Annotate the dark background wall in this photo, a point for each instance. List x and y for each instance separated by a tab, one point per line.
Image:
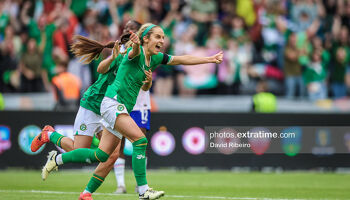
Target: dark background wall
177	124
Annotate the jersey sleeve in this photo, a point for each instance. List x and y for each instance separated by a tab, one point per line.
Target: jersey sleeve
116	62
135	59
161	59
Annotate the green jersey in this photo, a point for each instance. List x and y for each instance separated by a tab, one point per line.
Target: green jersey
92	98
131	75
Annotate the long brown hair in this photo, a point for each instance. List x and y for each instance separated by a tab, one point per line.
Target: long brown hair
88	49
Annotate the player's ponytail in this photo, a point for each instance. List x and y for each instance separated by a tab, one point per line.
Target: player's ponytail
88	49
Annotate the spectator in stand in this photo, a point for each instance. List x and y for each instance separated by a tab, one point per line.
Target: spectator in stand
271	33
4	20
141	11
203	14
65	29
229	72
185	45
245	9
227	9
338	73
164	82
340	58
253	34
31	69
264	101
238	30
315	76
13	40
217	36
201	78
78	7
8	68
66	86
303	14
344	12
292	69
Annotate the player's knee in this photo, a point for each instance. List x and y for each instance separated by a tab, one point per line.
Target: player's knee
101	155
140	143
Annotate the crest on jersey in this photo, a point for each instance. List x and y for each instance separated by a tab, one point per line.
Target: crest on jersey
120	108
83	127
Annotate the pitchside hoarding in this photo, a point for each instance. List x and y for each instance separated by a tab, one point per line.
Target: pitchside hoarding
212	140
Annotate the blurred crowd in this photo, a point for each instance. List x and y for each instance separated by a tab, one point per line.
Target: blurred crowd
299	47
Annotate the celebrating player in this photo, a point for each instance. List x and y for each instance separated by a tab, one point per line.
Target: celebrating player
143	56
141	114
87	122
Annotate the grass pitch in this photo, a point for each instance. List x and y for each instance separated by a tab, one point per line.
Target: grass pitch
63	185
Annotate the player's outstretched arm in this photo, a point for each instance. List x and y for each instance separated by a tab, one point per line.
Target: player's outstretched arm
135	46
103	67
195	60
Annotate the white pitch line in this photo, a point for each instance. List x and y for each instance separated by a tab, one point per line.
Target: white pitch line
168	196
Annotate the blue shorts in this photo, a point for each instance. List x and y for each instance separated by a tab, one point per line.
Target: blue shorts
142	118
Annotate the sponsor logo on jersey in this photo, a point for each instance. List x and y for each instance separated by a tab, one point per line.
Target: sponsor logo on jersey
193	140
5	142
83	127
26	137
323	142
163	143
291	146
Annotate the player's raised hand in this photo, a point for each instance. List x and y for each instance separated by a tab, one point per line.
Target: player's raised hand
217	58
134	38
116	49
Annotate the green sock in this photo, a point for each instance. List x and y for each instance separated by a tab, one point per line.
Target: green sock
56	138
139	160
84	155
94	183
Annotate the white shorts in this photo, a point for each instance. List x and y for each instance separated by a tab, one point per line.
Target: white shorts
110	109
88	123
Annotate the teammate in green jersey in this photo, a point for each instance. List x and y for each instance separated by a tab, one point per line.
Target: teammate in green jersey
143	55
87	122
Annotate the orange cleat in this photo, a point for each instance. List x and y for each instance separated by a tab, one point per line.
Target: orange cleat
85	196
41	139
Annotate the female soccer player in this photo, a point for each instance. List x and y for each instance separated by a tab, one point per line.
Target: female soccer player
87	120
143	55
141	114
